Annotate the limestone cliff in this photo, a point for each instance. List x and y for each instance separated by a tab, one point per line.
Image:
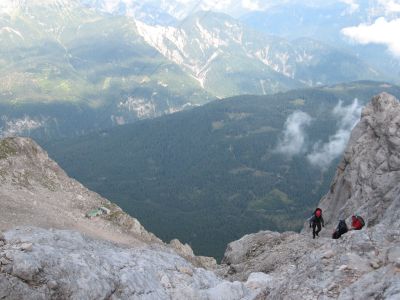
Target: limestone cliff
367	180
362	264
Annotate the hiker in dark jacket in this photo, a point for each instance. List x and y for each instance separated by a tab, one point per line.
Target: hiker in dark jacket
340	229
316	221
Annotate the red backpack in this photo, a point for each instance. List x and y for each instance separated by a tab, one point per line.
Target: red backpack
359	218
357	222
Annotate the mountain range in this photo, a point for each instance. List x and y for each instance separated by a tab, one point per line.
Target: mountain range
70	67
325	22
215	48
60	57
320	21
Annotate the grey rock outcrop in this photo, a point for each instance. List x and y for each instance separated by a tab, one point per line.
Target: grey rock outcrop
367	179
361	264
186	252
67	265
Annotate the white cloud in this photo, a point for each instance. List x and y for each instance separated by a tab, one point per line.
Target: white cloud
184	1
294	136
323	154
252	5
390	6
216	5
8	6
348	115
381	32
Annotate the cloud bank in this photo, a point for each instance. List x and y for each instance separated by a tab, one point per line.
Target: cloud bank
390	6
294	136
323	154
380	32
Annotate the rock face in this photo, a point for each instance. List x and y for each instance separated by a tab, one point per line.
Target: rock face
367	180
361	264
61	264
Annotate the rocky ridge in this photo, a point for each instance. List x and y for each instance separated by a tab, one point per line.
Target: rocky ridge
361	264
35	191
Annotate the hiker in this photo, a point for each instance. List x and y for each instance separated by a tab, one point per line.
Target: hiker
340	229
316	221
357	222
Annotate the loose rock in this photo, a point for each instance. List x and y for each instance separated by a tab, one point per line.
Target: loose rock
52	284
4	261
26	247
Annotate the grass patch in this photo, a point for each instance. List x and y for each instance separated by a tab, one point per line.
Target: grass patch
274	200
298	102
6	149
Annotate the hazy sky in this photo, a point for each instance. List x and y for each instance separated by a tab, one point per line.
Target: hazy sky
235	6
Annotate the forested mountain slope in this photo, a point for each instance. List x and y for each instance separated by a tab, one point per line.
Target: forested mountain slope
215	173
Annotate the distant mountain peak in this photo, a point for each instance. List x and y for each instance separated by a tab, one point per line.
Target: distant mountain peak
213	47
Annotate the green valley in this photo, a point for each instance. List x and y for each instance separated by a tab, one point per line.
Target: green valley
214	173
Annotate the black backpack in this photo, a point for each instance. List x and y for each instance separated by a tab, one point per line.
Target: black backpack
340	229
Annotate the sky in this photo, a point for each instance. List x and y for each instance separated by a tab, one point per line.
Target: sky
236	7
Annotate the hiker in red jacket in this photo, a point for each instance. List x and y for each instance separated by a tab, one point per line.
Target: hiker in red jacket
316	221
357	222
